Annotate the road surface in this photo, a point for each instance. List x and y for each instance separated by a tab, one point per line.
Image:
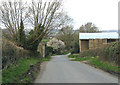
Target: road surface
61	70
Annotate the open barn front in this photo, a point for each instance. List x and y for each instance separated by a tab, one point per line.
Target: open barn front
111	40
84	45
88	41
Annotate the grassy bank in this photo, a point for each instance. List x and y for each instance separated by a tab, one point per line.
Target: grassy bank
17	64
15	72
94	61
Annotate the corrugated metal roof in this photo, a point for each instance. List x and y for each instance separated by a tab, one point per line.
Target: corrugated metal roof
106	35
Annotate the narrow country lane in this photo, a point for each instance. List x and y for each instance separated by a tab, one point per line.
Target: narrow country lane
61	70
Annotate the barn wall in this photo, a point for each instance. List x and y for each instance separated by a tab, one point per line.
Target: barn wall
96	43
104	41
91	44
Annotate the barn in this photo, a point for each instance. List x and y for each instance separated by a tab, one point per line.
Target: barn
89	41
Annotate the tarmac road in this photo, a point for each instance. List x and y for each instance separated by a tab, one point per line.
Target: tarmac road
61	70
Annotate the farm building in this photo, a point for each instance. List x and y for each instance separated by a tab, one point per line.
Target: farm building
94	40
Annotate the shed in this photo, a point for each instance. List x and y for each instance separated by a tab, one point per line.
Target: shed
94	40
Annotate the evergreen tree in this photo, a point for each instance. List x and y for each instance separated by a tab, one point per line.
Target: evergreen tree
22	36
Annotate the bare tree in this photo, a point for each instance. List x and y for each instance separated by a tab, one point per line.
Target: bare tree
11	15
59	21
42	15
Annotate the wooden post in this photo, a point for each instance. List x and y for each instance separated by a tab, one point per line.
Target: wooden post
80	45
106	41
93	43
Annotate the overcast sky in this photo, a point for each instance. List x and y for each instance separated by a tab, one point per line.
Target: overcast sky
102	13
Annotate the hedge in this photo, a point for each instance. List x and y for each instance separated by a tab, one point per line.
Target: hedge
11	53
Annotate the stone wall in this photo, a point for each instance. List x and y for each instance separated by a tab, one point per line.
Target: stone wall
41	49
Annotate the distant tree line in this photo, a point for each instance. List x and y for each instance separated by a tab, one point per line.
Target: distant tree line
71	37
88	28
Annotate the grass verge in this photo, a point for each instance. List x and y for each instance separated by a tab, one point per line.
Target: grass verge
53	55
97	63
77	58
105	66
14	72
45	59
